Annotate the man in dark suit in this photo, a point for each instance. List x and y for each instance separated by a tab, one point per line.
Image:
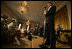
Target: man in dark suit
50	32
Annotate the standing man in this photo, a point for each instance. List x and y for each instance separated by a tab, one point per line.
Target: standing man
50	32
59	28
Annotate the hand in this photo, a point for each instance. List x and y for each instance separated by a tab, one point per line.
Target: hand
45	12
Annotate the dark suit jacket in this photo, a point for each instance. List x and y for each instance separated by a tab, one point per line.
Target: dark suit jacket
50	15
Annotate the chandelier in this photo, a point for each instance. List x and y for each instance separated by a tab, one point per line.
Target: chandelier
23	7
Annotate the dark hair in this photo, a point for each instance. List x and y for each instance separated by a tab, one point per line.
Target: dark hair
4	17
59	24
13	21
50	3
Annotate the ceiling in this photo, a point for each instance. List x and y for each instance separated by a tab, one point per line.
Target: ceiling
34	9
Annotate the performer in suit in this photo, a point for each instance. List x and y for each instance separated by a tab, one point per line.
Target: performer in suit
50	32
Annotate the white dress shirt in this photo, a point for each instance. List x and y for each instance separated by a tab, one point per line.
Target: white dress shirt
10	25
49	8
22	30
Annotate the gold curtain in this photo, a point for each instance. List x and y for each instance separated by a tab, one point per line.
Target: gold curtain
61	17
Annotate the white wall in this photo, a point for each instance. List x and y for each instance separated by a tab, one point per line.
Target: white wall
6	11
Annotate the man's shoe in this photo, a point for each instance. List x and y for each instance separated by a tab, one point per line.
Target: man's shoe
46	44
43	46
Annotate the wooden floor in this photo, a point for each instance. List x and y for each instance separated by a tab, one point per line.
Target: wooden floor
33	44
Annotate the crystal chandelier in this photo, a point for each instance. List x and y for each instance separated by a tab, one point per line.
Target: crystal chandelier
23	7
